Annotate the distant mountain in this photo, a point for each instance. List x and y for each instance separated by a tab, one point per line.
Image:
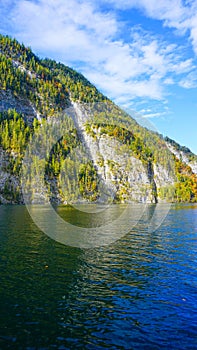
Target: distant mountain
102	154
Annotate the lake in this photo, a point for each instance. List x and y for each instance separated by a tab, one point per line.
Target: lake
139	292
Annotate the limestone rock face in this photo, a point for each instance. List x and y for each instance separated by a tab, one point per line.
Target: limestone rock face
125	176
131	164
183	157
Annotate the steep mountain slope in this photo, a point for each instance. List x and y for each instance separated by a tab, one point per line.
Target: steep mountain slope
183	154
102	154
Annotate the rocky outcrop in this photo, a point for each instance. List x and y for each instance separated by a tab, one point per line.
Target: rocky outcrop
126	177
9	184
181	155
122	176
119	162
9	101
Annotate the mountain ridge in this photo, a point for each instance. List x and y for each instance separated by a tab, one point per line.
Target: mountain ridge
129	161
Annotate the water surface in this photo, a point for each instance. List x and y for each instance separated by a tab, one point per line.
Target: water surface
137	293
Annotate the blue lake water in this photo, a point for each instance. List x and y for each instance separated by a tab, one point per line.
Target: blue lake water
139	292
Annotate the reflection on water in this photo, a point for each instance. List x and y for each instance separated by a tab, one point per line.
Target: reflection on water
85	228
139	292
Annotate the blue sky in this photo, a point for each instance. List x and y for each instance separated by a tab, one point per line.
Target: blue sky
140	53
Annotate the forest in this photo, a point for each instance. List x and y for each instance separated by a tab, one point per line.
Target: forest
50	87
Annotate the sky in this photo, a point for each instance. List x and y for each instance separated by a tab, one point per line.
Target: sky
140	53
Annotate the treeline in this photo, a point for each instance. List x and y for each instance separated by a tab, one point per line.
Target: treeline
79	87
47	94
46	83
75	176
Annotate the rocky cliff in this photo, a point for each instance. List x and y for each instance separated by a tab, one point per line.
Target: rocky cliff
102	154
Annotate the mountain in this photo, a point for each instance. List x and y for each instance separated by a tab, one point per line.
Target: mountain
62	141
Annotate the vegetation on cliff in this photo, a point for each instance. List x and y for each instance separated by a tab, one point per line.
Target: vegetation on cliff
51	87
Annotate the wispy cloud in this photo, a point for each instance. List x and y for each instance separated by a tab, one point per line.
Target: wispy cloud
177	14
189	82
91	39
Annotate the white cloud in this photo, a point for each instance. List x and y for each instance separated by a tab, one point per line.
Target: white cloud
81	35
155	111
170	11
168	81
154	115
189	82
177	14
193	30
